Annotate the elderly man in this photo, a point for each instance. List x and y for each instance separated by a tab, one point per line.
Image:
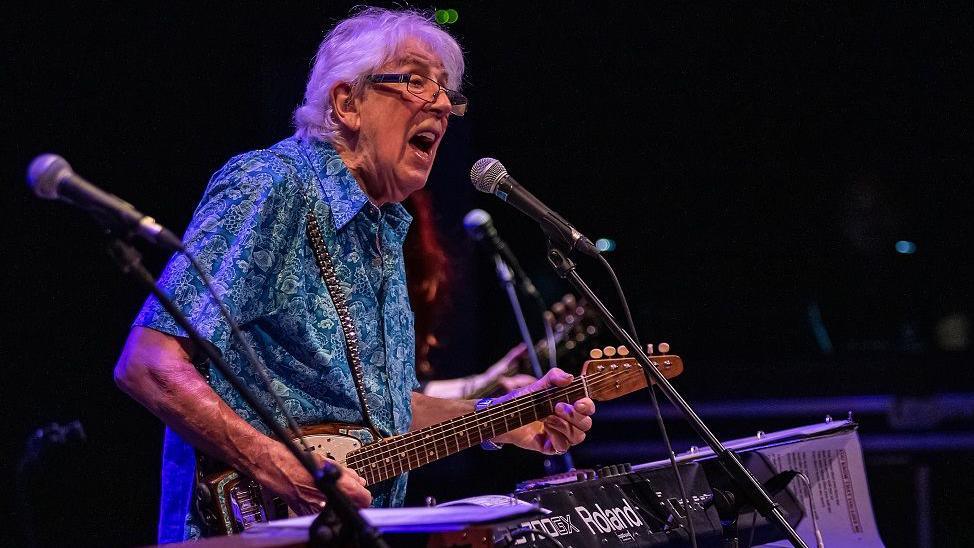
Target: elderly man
377	104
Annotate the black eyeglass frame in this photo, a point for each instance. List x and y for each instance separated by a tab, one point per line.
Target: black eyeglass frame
458	102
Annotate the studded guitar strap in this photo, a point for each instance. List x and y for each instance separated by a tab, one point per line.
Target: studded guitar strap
327	269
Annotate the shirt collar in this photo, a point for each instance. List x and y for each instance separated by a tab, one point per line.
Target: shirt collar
339	188
342	193
398	219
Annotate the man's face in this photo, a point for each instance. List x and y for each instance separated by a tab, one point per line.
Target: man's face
399	133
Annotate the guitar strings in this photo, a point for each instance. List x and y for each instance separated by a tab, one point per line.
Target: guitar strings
448	429
410	440
414	440
484	416
418	444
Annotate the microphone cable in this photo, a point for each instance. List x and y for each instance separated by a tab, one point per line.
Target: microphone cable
652	393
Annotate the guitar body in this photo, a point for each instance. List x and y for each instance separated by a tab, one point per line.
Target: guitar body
229	502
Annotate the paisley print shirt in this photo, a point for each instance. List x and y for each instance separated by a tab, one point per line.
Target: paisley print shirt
249	232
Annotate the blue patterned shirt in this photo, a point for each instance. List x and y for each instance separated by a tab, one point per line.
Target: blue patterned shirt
249	232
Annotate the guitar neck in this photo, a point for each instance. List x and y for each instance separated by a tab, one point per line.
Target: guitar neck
393	456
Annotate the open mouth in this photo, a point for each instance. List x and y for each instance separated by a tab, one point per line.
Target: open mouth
423	141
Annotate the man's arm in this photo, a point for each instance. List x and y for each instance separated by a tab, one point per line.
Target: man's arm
157	371
554	434
496	374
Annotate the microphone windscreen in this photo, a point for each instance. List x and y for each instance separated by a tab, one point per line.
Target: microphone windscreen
475	222
45	173
486	173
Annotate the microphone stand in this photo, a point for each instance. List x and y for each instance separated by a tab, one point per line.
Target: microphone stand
742	478
339	523
553	464
506	278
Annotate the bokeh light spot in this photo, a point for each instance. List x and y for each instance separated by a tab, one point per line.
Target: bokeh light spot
906	247
605	244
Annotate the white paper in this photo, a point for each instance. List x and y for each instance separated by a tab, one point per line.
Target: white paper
840	495
493	501
421	517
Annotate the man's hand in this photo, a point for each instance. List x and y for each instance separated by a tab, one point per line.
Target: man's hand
288	479
556	433
513	382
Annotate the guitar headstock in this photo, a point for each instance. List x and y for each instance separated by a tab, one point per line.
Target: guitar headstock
614	373
573	322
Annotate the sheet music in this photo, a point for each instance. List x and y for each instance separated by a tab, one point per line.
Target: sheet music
840	495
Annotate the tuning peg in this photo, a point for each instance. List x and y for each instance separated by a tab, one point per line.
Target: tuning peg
663	347
649	349
569	300
622	350
595	354
549	317
609	351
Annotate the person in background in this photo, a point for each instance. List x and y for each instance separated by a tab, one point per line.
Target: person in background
429	275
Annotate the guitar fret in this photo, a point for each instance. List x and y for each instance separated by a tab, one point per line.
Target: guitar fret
384	460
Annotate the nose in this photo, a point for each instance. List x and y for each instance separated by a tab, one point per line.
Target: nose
440	104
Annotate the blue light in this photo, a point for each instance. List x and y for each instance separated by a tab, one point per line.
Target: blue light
605	244
906	247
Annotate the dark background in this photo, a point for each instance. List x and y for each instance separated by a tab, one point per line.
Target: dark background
755	164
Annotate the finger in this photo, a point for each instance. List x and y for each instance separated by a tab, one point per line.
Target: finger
357	494
352	474
558	430
556	443
585	406
573	417
364	498
557	377
569	433
516	352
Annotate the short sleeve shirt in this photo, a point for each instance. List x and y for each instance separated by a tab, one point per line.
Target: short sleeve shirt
249	233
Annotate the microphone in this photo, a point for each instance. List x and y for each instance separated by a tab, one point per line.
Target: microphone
480	227
490	176
51	177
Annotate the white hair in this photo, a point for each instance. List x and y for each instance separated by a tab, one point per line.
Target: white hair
358	46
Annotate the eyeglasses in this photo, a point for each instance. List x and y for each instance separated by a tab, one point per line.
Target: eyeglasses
425	88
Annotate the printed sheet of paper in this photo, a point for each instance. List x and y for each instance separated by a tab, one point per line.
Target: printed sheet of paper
840	495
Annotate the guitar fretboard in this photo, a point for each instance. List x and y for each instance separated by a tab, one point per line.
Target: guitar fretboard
393	456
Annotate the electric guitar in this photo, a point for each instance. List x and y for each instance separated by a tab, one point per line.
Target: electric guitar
230	502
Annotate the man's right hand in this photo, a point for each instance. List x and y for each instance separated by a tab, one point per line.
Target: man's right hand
288	479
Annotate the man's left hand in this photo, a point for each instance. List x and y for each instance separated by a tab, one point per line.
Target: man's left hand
556	433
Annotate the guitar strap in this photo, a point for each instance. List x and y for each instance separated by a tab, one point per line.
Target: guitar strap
327	269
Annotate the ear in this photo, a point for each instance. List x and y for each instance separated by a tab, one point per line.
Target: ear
344	107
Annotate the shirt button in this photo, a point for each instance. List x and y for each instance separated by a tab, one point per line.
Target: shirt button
377	261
